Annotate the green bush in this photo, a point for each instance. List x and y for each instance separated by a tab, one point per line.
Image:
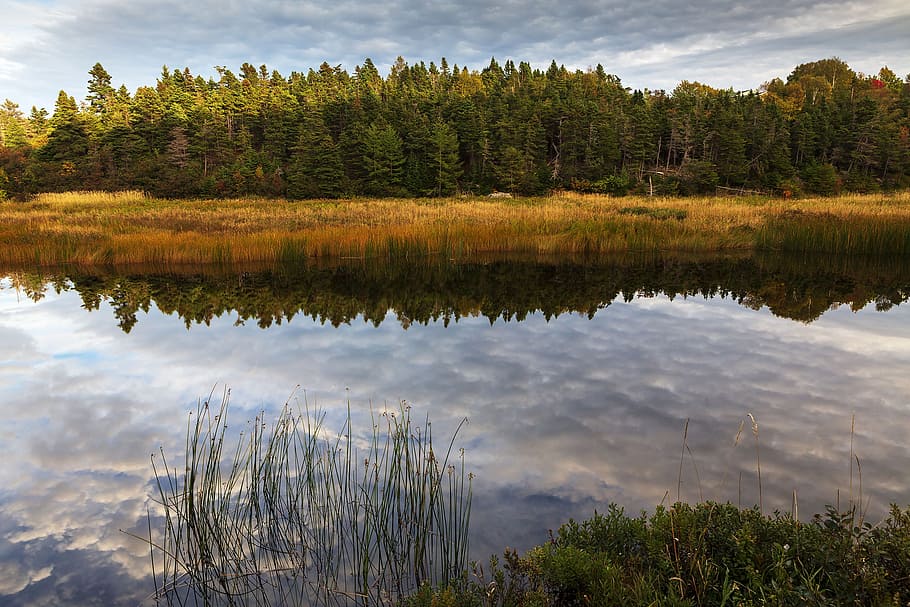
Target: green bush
855	181
614	185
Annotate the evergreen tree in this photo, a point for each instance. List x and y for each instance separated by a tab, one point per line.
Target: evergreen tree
383	160
431	130
316	169
444	162
66	150
100	90
12	126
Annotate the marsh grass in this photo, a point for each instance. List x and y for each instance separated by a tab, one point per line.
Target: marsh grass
851	234
129	228
292	514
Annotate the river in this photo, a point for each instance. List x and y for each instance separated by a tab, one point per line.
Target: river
624	381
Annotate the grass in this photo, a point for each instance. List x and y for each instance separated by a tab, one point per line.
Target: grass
291	514
92	228
849	234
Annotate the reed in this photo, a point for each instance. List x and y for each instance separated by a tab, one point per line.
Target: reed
291	514
130	228
851	234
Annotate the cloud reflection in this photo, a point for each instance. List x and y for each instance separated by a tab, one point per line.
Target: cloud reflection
564	415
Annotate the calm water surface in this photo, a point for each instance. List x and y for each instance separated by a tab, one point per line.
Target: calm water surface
577	384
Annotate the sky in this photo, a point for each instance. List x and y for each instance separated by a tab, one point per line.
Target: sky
49	45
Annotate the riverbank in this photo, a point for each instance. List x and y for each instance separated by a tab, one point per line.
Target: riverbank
97	228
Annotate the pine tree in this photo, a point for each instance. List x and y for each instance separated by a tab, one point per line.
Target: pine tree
12	126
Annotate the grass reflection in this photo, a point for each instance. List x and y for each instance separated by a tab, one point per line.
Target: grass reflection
293	514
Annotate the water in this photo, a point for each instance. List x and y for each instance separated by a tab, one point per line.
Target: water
577	384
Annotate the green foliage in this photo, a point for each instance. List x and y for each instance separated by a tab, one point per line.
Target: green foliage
428	131
316	169
443	161
460	595
655	212
712	554
820	179
614	185
383	159
13	126
698	177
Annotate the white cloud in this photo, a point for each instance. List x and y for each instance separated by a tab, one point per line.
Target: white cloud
14	577
650	45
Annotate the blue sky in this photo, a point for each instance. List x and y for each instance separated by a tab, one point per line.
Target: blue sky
50	45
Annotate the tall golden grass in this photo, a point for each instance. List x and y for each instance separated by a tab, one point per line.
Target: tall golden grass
91	228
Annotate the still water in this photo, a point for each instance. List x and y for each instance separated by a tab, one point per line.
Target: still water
578	383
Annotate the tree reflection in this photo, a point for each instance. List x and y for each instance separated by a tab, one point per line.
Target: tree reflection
799	288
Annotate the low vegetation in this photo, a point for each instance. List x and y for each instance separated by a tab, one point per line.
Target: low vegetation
706	554
130	228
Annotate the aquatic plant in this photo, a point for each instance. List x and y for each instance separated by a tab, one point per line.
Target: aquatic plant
293	514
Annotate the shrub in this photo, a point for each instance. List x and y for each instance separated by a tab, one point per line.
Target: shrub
614	185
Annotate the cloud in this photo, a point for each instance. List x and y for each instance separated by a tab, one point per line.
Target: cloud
15	578
652	45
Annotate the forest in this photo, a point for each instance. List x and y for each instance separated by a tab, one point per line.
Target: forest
439	131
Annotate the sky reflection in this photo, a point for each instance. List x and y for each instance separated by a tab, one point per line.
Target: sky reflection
565	415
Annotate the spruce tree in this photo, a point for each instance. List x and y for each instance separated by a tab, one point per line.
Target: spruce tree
316	170
444	162
383	160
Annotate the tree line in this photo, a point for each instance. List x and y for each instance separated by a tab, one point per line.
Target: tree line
438	130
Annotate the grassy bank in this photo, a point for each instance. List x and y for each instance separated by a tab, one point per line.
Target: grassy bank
130	228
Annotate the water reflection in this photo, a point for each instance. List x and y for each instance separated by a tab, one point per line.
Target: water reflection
800	288
567	410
